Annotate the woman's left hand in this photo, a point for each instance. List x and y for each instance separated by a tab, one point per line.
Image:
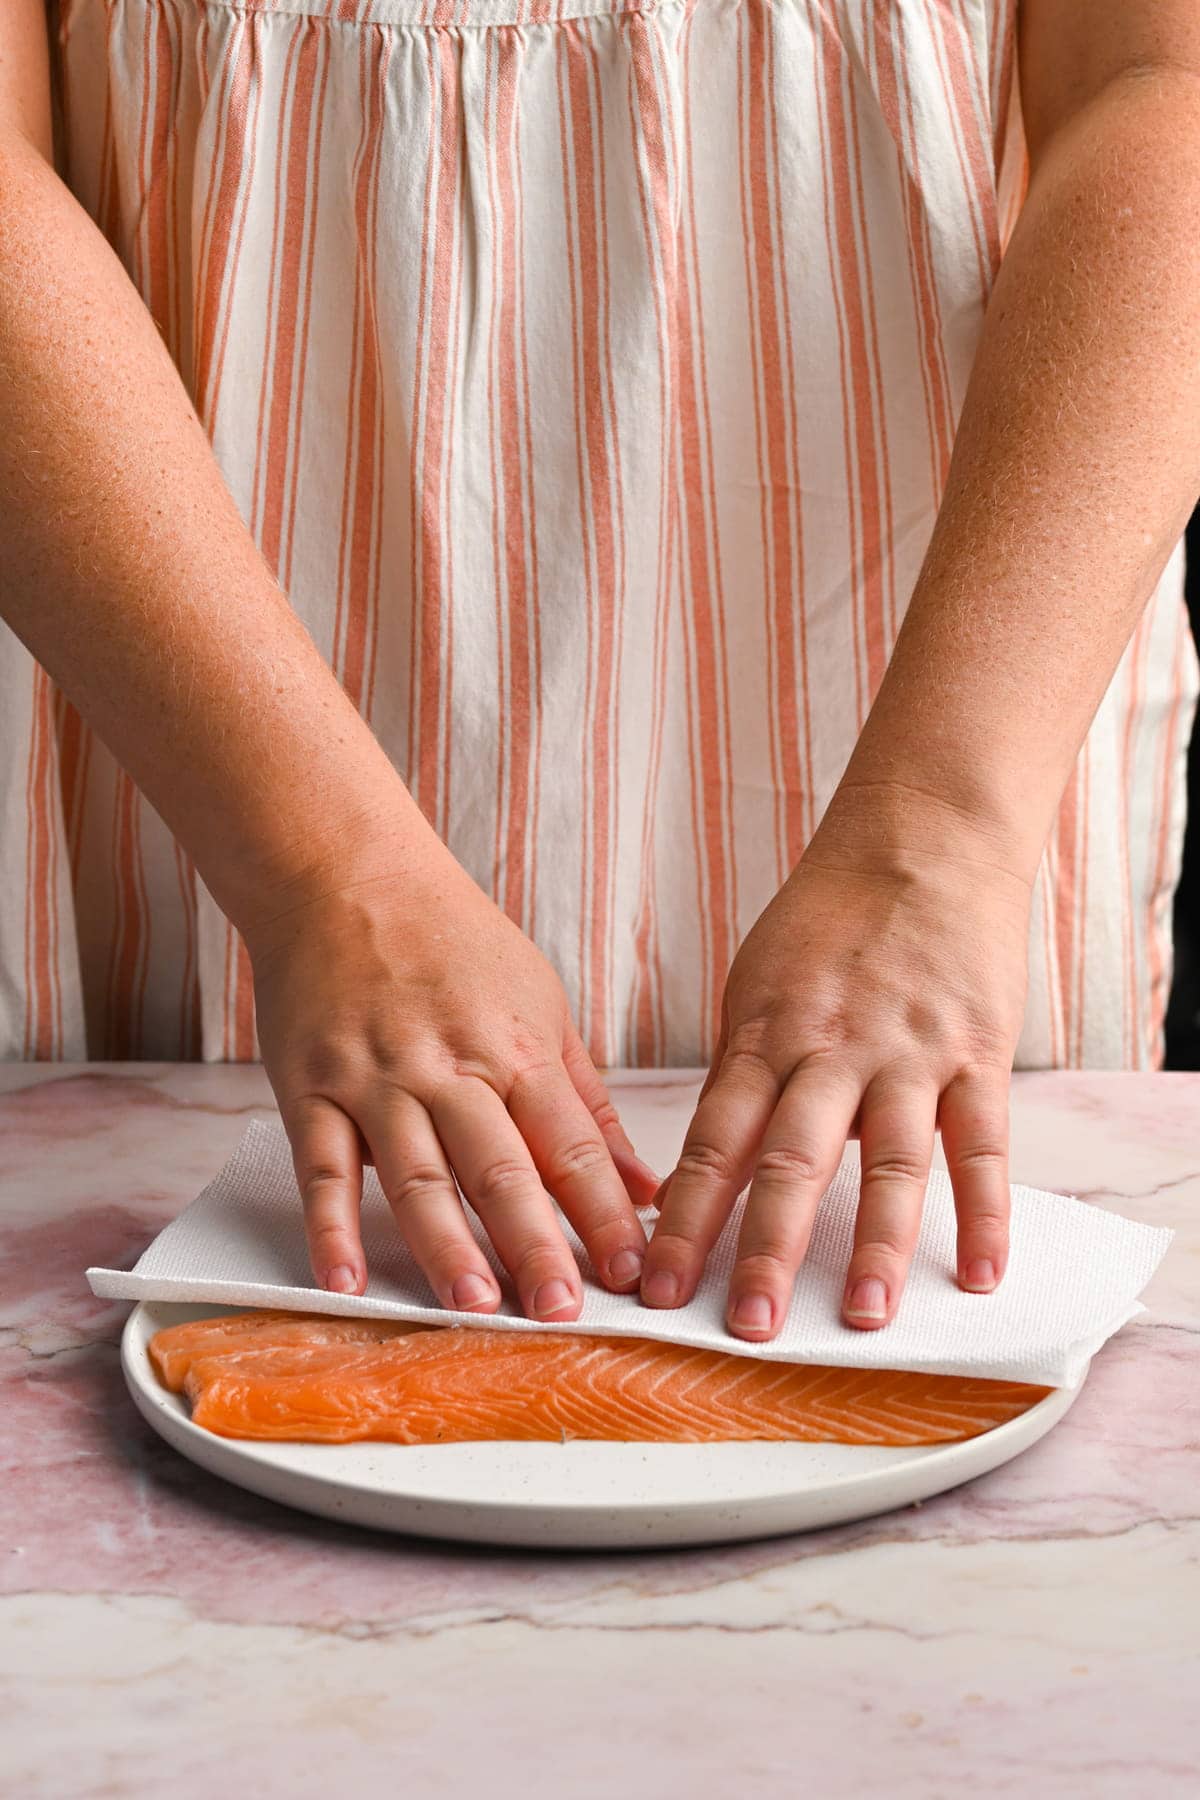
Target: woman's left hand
880	995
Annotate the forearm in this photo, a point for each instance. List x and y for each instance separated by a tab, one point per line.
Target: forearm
129	574
1076	464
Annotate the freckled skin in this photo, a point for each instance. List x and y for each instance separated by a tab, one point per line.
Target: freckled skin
1083	407
128	572
1077	461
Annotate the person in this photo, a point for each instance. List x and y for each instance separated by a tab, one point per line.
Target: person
725	461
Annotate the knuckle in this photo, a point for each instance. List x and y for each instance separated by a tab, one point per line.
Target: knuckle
328	1064
707	1162
444	1253
605	1214
883	1246
925	1023
747	1058
990	1157
326	1231
896	1166
318	1178
988	1219
538	1261
788	1162
981	1084
670	1249
531	1069
770	1259
967	1132
832	1029
417	1183
587	1156
448	1075
605	1115
609	1231
386	1049
502	1182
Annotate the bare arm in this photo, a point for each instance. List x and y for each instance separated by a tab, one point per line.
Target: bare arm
882	990
127	569
400	1013
1077	460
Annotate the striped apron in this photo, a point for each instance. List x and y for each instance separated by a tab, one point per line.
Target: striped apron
587	373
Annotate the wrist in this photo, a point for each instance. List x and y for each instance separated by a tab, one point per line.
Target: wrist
894	824
332	842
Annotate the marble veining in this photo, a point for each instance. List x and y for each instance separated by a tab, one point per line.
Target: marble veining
1034	1632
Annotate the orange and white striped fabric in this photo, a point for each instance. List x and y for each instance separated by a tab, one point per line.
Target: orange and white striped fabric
588	373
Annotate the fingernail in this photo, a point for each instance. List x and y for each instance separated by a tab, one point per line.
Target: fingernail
662	1288
753	1312
624	1267
867	1300
980	1276
552	1297
471	1290
342	1280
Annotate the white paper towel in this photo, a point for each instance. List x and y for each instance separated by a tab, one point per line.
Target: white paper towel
1073	1278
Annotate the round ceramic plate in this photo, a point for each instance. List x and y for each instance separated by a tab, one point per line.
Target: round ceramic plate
585	1496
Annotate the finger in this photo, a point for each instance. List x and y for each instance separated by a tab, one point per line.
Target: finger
974	1121
496	1173
641	1183
425	1202
660	1196
327	1156
896	1125
801	1150
715	1063
575	1166
712	1170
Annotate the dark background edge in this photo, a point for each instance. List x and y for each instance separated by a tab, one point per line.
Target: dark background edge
1183	1014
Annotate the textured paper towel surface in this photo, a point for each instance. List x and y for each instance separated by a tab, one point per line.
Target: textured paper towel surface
1073	1279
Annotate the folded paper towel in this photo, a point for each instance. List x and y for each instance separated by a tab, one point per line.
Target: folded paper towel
1073	1278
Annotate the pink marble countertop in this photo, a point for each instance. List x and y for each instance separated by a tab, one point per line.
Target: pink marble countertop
1036	1632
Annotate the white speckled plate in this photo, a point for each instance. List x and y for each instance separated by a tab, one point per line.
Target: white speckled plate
583	1496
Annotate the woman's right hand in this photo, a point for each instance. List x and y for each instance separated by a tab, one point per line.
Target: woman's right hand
404	1020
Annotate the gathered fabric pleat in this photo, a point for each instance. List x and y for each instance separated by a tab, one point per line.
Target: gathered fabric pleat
588	376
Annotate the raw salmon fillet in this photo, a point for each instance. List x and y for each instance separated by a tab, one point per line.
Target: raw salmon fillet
455	1384
172	1351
